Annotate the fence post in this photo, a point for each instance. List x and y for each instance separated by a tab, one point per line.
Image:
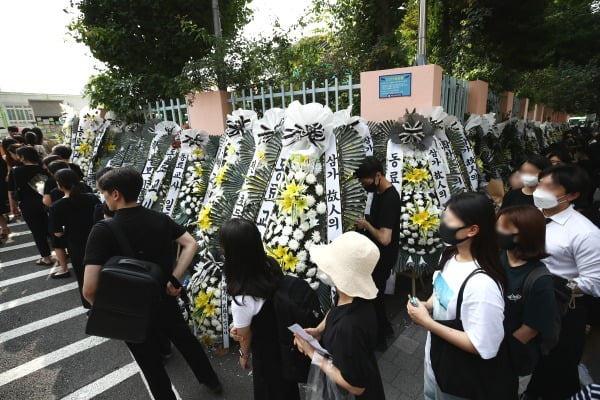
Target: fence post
208	111
478	96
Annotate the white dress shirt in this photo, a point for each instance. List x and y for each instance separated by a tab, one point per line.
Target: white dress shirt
573	243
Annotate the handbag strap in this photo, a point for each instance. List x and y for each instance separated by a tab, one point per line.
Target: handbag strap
459	299
124	244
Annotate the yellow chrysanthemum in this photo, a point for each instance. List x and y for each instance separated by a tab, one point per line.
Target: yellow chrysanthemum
301	204
198	153
230	149
286	204
279	252
293	189
210	309
416	175
261	155
198	170
289	262
480	163
220	178
84	148
202	300
111	147
299	158
204	221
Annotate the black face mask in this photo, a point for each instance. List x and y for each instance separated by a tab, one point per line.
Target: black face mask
506	241
372	188
448	235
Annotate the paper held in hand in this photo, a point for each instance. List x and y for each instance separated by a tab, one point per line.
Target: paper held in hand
297	329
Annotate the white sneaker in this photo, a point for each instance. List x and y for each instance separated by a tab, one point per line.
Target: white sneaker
584	375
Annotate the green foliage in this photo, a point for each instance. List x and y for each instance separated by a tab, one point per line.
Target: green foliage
145	44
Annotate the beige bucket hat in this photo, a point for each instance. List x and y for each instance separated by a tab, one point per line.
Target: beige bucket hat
349	261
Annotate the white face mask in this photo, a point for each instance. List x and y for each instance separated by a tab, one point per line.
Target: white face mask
529	180
324	278
545	200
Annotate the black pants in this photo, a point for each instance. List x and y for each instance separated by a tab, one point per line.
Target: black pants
380	276
170	322
556	376
77	252
36	218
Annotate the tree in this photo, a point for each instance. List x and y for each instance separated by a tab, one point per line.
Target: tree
145	44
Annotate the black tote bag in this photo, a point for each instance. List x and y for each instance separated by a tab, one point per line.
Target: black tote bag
465	374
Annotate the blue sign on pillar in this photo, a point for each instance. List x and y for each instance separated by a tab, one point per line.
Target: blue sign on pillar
397	85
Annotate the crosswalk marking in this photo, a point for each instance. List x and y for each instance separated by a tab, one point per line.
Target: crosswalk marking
16	247
106	382
17	234
16	224
42	323
49	359
18	261
23	278
37	296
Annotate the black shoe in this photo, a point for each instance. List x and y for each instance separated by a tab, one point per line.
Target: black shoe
215	389
60	275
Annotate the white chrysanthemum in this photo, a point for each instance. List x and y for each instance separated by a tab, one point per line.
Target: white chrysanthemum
321	208
311	214
213	280
317	168
287	230
299	175
314	285
283	240
311	179
422	242
421	252
405	217
305	226
278	229
319	189
302	254
300	267
293	244
316	236
310	200
298	234
188	211
289	221
412	251
311	272
411	241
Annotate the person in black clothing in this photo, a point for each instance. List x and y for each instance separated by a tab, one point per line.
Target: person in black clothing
382	226
349	331
252	279
13	130
71	218
528	317
4	207
25	184
151	235
64	152
528	173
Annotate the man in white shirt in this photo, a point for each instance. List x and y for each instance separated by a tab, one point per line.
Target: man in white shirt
573	244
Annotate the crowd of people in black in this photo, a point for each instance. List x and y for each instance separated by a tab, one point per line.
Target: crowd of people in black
514	313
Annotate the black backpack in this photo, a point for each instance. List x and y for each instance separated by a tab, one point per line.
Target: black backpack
295	302
547	342
129	289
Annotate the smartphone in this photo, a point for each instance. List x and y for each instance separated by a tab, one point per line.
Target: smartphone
413	300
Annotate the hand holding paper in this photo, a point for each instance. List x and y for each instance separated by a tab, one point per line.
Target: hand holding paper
299	331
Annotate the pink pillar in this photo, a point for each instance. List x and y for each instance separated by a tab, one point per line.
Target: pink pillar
208	111
506	105
539	113
425	93
524	108
531	114
478	94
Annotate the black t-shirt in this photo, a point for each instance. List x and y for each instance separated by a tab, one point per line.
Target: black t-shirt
49	185
56	194
76	169
350	336
150	233
516	197
28	181
385	213
537	310
76	216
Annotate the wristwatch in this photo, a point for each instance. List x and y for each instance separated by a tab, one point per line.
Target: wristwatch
244	356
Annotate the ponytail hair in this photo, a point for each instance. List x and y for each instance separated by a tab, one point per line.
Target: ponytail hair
69	180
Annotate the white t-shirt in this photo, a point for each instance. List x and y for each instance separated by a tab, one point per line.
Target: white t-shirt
482	310
244	308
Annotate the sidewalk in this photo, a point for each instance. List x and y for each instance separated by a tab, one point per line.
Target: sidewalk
401	365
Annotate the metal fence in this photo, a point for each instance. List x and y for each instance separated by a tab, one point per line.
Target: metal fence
455	95
336	95
175	111
493	103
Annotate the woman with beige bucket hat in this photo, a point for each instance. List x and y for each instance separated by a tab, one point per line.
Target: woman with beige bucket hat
349	331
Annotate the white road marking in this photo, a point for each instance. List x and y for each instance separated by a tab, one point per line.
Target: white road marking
17	223
103	384
16	247
37	296
49	359
18	261
41	324
16	234
33	275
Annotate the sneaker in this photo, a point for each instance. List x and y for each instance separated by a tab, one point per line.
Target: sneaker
584	375
60	275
